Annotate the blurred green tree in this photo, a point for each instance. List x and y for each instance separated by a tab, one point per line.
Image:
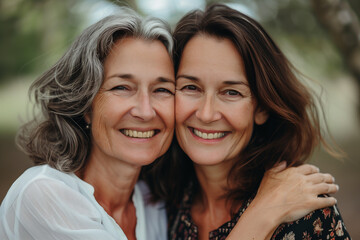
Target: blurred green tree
31	28
28	28
343	26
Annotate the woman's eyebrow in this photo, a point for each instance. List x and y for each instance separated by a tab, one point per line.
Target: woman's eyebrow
165	80
124	76
131	76
226	82
234	82
192	78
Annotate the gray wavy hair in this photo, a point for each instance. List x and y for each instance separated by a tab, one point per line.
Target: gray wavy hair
65	92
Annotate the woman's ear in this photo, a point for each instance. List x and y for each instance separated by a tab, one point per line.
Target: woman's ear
87	118
261	116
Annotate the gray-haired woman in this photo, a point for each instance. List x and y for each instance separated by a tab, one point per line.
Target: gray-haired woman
107	110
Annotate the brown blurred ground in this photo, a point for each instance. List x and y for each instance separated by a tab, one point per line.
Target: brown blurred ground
13	163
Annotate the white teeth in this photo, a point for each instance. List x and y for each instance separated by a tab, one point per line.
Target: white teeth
138	134
208	135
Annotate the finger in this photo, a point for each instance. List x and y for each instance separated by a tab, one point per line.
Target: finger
323	202
308	169
278	167
325	188
320	177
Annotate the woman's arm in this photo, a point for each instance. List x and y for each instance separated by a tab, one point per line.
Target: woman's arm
284	196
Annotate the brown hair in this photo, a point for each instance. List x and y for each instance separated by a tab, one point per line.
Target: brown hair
292	129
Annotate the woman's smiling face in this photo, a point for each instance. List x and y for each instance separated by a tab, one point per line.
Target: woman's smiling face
215	110
132	116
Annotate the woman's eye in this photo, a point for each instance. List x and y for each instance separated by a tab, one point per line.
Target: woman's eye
232	93
164	90
121	88
190	88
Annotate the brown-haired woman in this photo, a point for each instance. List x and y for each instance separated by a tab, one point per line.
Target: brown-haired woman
240	110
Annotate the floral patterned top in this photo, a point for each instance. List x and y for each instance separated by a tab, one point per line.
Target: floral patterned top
323	223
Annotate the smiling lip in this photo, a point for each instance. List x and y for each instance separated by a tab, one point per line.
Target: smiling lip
208	135
139	134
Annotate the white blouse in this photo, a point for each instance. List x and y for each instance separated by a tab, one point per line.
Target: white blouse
44	203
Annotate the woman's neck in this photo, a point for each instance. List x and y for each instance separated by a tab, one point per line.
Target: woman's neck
210	209
113	181
212	181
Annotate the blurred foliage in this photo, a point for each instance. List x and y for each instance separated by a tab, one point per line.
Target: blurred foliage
29	28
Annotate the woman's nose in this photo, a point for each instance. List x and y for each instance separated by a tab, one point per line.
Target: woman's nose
207	111
143	108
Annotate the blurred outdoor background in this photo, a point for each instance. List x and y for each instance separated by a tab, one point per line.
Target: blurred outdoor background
321	37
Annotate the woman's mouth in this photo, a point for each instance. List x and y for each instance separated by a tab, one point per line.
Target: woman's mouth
138	134
208	135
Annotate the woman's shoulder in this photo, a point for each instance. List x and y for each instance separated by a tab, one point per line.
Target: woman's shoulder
325	223
25	180
45	203
40	171
41	183
41	192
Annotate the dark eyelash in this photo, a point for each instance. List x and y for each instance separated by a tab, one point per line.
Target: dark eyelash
189	87
233	91
120	88
164	90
